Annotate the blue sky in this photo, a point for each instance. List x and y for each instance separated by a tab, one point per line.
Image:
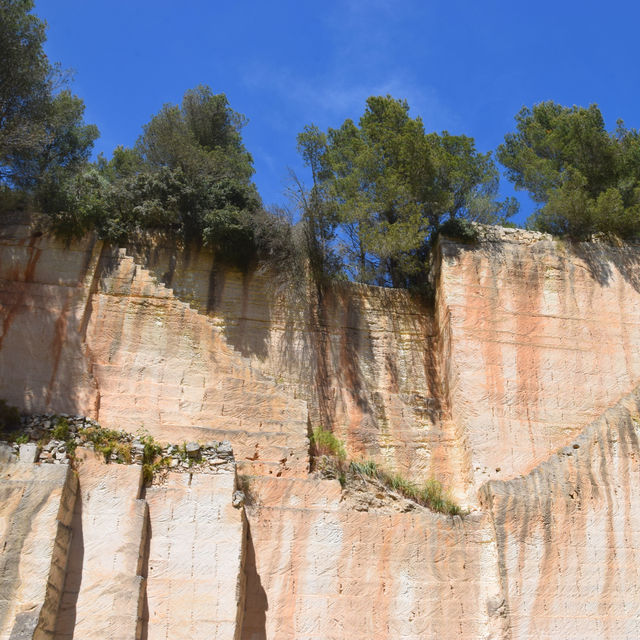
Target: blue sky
464	66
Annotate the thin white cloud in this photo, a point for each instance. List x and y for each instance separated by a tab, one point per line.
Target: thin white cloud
329	100
366	57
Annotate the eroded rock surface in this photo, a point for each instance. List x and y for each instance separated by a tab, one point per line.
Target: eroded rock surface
568	535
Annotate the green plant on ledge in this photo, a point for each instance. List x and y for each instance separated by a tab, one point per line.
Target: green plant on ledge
324	443
329	456
61	430
151	456
431	495
108	442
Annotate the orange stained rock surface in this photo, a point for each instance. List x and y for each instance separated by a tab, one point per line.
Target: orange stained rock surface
544	336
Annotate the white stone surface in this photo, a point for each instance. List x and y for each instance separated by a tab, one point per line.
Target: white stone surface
195	583
104	588
36	505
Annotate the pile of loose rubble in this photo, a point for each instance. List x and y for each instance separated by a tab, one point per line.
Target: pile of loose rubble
52	439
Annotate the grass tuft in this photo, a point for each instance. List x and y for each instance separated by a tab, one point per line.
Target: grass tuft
324	443
431	495
330	458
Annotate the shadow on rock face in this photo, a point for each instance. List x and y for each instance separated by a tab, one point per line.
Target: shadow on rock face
256	605
67	613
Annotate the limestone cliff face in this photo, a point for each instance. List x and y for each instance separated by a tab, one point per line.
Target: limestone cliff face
362	358
501	389
539	338
45	303
568	538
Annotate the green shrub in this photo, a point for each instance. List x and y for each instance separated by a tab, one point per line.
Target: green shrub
123	451
459	229
151	450
107	442
324	443
147	473
61	430
367	468
106	450
151	460
71	447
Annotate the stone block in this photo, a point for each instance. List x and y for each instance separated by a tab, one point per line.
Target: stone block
104	587
29	453
36	504
195	584
6	453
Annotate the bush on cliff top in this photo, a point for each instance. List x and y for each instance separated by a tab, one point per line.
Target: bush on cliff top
585	179
188	174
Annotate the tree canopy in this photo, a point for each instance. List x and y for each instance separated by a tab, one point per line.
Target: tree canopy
202	136
381	188
188	173
584	178
42	131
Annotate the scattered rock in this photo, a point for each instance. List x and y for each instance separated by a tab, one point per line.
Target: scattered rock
193	449
238	499
212	458
225	449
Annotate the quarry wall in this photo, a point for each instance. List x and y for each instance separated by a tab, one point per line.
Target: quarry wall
502	388
541	337
568	534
